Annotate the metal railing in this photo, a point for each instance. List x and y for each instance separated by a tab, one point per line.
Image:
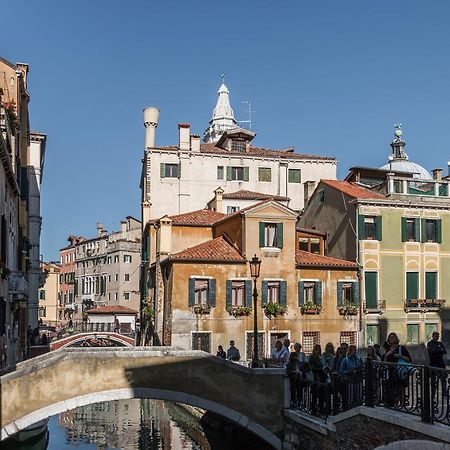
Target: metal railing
419	390
96	327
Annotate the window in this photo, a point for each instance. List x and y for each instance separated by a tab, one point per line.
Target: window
109	260
311	245
109	297
126	296
201	341
310	339
201	292
232	209
349	337
109	278
169	170
238	293
126	258
430	328
347	292
371	288
237	173
431	285
115	296
412	333
431	230
412	285
250	343
372	335
410	229
309	292
116	258
274	292
127	277
294	176
116	277
369	227
270	234
42	294
42	311
238	145
220	172
265	174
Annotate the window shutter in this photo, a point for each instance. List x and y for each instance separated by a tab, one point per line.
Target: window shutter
228	293
378	228
279	235
355	292
264	292
318	293
246	177
283	291
212	292
191	300
228	173
339	293
361	227
417	230
430	285
404	230
412	285
163	170
424	230
371	290
262	227
301	293
438	231
248	293
179	170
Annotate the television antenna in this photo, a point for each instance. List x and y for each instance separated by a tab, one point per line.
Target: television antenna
249	112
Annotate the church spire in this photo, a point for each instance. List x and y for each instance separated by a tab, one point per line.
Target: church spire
222	117
398	144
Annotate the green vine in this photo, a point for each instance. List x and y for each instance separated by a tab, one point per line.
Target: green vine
272	310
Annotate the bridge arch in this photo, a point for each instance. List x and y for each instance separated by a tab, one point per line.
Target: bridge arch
77	339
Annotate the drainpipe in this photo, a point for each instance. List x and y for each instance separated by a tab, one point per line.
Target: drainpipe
361	321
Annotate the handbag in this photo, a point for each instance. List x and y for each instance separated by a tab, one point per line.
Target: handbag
404	368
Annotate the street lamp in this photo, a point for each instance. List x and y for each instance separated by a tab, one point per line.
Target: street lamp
255	265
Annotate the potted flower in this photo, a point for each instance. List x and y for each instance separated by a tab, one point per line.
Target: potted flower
239	311
273	310
348	309
310	308
201	308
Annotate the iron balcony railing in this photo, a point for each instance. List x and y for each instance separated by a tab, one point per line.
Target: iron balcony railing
423	304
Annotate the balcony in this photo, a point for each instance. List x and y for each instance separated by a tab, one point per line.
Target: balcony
374	309
423	305
418	188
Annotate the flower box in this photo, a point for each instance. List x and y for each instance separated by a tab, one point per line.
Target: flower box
348	309
272	310
201	309
239	311
310	308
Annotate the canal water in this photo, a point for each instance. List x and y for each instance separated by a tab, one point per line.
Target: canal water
139	424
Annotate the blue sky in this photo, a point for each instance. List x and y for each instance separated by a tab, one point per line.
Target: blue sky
327	77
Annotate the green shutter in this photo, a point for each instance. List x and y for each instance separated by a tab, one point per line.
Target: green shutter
361	227
412	285
179	170
378	228
339	293
404	229
246	177
228	293
191	299
430	285
424	230
228	173
438	231
262	228
163	170
301	293
371	289
417	230
279	235
212	292
355	293
283	294
318	293
248	293
264	292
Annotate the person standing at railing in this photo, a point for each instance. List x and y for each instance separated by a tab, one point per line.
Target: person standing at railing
436	351
371	353
320	377
280	355
293	372
351	372
341	353
233	353
327	359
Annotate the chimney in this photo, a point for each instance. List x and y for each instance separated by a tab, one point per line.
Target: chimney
123	226
437	174
185	136
165	235
195	143
308	189
100	229
218	199
151	117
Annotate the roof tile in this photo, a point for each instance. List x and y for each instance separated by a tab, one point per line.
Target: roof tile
114	309
201	217
352	189
313	260
251	195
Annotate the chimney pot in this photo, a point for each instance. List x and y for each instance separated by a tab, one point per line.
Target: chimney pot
185	136
437	174
151	117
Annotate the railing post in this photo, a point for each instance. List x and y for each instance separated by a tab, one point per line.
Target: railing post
369	378
426	398
335	393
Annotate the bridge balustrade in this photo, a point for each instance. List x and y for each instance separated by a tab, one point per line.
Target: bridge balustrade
414	389
97	327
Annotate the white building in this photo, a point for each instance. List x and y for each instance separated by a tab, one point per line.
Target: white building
183	177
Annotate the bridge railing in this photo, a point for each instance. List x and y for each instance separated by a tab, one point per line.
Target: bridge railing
96	327
414	389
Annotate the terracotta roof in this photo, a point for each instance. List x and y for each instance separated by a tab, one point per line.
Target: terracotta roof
352	189
254	151
311	231
202	217
218	250
250	195
308	259
117	309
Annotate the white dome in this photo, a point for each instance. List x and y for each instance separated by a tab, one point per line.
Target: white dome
404	165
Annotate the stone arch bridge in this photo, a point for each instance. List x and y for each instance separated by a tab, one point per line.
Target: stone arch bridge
64	379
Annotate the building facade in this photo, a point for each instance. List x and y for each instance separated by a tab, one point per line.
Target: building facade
182	178
50	305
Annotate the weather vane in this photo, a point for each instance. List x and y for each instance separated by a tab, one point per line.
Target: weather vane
223	76
398	129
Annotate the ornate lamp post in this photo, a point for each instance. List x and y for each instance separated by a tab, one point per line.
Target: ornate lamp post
255	265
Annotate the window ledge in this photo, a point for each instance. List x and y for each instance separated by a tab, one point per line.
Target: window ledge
271	249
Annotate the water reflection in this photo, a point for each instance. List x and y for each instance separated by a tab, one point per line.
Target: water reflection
140	425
